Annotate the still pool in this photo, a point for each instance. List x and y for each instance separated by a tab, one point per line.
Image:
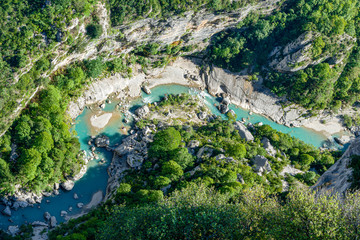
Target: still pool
96	177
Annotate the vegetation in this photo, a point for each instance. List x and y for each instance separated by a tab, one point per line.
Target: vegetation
123	11
200	212
318	86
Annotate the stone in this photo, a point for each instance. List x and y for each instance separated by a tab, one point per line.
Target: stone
68	185
205	152
76	196
223	108
13	230
243	131
7	211
63	213
56	192
102	105
202	115
80	205
261	164
142	111
146	89
291	170
53	222
134	160
193	144
56	186
70	209
102	141
240	179
39	224
268	147
46	194
47	216
194	170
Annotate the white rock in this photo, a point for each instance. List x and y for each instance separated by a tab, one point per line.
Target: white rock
68	185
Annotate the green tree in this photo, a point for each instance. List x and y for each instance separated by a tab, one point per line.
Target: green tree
94	67
94	30
172	170
28	162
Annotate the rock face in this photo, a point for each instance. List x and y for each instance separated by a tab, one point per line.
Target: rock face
268	147
261	164
298	55
68	185
142	111
336	178
243	131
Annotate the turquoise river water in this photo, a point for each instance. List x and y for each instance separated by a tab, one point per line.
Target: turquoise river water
96	177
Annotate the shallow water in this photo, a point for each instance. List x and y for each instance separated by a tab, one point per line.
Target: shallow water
96	177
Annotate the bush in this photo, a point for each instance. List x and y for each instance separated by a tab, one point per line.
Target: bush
94	30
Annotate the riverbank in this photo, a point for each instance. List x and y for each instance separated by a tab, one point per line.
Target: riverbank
243	93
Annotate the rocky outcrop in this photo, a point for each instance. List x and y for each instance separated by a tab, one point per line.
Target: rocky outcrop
298	54
102	141
243	131
53	222
13	230
6	211
252	95
68	185
268	147
338	177
142	111
261	164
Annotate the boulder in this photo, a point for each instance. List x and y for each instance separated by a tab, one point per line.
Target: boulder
53	222
21	204
205	152
223	108
56	192
243	131
102	141
142	111
261	164
13	230
146	89
240	179
39	224
47	216
68	185
80	205
7	211
268	147
56	186
76	196
193	144
63	213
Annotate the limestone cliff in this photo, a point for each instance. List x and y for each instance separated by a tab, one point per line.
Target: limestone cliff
338	177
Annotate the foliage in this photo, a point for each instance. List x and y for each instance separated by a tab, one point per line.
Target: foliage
94	30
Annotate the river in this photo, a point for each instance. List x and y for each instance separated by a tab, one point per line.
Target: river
96	177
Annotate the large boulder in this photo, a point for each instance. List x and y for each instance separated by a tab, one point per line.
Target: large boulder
268	147
53	222
102	141
68	185
261	164
243	131
142	111
134	160
47	216
7	211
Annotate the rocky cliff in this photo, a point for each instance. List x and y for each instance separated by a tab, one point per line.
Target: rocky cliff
338	177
